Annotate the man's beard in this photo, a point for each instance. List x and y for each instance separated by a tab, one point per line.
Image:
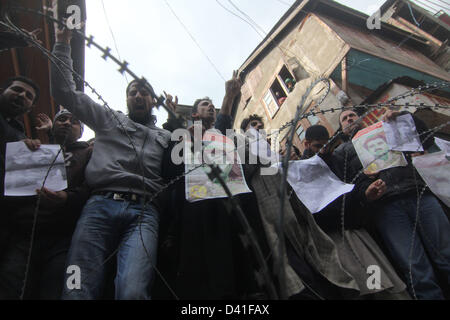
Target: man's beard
11	110
63	137
208	121
140	117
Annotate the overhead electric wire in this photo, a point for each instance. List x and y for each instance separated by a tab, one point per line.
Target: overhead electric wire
238	16
439	6
255	26
423	5
333	111
281	1
193	39
247	16
112	35
444	2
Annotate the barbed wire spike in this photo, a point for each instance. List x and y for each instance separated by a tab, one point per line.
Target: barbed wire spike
123	67
90	41
106	53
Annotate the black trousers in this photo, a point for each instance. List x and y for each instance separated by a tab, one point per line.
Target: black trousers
46	271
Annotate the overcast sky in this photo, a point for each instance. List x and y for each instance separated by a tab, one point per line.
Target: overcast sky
153	41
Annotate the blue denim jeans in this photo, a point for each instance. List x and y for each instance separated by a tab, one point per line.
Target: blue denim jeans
106	225
395	223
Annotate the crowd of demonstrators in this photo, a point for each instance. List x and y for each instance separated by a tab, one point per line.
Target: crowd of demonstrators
128	243
311	266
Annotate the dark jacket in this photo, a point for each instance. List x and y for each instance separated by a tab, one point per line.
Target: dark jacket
11	130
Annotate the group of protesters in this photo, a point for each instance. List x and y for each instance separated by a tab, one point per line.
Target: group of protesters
124	228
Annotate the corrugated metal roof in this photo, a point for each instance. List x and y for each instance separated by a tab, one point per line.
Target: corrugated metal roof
370	43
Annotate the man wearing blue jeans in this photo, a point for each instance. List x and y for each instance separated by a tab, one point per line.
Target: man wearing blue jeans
124	171
415	232
395	223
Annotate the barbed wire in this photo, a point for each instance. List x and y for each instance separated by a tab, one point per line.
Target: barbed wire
33	227
430	133
106	53
52	58
291	124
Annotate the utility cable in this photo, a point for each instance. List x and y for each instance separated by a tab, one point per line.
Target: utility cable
193	39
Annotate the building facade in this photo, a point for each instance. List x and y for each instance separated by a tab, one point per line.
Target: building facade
323	39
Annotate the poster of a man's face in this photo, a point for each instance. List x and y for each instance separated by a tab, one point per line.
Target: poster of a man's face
373	151
219	150
377	147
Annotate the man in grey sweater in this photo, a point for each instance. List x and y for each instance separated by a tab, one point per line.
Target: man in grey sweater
124	171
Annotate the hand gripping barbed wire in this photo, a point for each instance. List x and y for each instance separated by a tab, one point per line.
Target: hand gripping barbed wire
123	65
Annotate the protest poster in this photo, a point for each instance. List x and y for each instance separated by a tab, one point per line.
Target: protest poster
401	134
220	150
25	170
444	145
434	168
315	184
373	151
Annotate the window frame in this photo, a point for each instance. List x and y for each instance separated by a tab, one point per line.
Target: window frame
268	90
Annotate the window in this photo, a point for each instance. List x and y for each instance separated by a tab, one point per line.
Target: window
301	133
313	120
284	77
270	103
280	94
278	91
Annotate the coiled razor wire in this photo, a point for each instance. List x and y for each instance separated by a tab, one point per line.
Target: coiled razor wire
291	124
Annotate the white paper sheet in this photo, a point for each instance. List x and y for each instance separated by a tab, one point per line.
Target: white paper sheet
401	134
25	170
373	151
444	145
434	168
315	184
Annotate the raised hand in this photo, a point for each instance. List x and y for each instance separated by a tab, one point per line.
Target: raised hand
43	122
233	86
171	104
62	34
